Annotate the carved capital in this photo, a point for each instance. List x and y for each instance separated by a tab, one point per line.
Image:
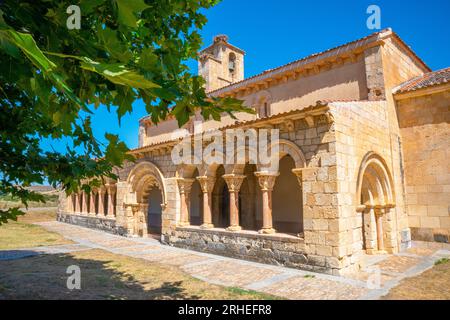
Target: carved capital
206	183
110	188
267	179
305	174
185	185
234	181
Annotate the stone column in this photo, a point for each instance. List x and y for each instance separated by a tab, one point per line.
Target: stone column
135	209
77	202
184	186
69	205
207	185
101	202
266	182
92	203
111	189
85	204
143	220
234	183
379	211
81	200
390	229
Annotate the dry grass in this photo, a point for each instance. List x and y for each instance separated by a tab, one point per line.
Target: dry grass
433	284
38	215
51	200
23	234
106	276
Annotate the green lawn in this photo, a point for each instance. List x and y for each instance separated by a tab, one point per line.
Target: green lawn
24	234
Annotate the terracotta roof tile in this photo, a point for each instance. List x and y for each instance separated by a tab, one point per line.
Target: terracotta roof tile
316	57
319	104
427	80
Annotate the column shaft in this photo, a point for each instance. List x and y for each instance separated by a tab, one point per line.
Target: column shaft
111	192
207	185
266	182
101	203
234	183
92	204
184	186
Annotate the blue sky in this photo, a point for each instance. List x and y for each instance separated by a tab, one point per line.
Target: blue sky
277	32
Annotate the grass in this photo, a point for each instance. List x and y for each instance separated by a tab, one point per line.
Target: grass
7	201
255	294
441	261
23	234
106	275
433	284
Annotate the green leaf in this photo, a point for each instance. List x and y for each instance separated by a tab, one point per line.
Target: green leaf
118	74
28	46
127	10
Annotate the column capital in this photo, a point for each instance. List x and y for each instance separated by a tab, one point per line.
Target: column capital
110	188
185	185
305	174
266	179
206	183
234	181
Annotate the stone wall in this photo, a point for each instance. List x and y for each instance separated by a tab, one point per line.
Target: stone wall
361	128
425	129
271	249
107	225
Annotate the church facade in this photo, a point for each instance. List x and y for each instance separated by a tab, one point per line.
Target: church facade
362	150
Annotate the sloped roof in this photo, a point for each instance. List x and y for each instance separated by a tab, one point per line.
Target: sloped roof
424	81
332	52
239	123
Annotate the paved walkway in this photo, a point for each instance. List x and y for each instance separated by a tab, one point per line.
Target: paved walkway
387	270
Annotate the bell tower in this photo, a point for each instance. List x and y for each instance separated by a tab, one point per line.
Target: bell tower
221	64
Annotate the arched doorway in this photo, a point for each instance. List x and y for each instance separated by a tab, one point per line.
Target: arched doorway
376	199
287	202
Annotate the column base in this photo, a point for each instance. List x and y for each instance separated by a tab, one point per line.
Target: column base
375	251
267	231
110	217
184	224
234	228
207	226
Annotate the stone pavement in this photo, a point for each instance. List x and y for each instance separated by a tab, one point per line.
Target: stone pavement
385	270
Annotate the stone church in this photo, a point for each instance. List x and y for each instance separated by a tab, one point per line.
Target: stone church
363	163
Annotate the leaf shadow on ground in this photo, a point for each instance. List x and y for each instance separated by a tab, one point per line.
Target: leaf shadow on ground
45	277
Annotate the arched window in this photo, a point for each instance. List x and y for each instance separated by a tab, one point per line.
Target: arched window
263	109
232	64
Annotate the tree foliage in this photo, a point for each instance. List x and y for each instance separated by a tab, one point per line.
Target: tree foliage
52	78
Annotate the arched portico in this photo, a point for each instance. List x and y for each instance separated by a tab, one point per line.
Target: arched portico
146	199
